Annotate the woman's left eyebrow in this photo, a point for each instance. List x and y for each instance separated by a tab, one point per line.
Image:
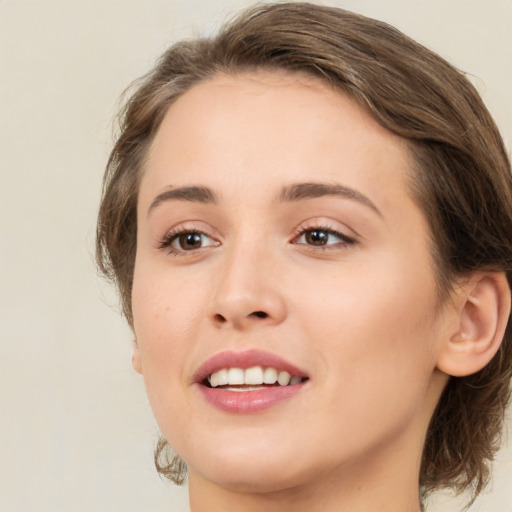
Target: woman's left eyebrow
300	191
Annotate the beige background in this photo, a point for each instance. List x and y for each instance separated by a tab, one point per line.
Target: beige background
76	433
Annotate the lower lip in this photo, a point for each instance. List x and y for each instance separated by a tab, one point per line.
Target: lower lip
246	402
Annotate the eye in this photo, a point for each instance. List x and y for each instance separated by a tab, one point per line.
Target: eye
186	241
321	237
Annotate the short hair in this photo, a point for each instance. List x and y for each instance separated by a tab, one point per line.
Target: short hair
461	179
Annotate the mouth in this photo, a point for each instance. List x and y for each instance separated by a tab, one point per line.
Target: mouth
250	381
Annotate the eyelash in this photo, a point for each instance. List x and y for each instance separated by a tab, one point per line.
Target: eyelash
166	242
345	240
169	238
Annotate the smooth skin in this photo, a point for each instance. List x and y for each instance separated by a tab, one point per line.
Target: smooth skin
344	280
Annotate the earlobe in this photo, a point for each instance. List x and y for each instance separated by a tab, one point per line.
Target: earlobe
483	311
136	362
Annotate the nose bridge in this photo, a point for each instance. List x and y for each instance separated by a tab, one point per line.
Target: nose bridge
246	290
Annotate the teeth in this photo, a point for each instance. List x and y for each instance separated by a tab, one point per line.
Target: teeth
284	378
270	376
219	378
236	376
254	376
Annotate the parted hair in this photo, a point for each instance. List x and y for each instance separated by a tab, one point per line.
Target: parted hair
460	177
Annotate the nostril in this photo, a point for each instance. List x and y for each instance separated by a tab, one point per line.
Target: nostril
260	314
220	319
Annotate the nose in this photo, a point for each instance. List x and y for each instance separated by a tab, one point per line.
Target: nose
247	292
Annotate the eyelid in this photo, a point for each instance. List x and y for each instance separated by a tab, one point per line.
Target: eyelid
341	238
323	224
169	238
332	228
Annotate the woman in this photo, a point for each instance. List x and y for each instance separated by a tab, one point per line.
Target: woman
309	219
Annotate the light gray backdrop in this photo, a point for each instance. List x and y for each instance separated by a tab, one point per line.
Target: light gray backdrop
76	432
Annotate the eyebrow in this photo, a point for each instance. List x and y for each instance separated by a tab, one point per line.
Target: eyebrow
300	191
290	193
195	194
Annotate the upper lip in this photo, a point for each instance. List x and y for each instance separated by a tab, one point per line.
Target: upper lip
244	360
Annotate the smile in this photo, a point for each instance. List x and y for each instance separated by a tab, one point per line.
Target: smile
248	382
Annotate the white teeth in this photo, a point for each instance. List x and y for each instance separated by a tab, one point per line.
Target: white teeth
219	378
236	376
254	376
270	376
284	378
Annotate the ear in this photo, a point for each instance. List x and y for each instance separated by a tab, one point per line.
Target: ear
483	308
136	362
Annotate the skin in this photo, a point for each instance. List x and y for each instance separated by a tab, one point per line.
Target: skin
361	317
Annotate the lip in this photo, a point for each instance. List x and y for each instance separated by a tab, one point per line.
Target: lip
246	402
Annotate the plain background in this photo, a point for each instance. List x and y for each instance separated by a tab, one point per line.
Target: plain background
76	432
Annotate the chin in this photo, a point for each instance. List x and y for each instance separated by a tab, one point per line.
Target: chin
256	471
264	478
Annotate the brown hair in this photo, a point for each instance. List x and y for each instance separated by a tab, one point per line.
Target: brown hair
462	181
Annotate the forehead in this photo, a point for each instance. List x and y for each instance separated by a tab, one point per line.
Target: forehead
273	98
277	124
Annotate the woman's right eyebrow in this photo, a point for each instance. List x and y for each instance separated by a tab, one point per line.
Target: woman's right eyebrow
193	193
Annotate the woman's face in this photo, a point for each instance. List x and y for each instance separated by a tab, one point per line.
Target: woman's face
276	234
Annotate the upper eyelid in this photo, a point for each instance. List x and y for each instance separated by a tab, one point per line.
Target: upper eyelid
191	226
346	239
176	232
323	224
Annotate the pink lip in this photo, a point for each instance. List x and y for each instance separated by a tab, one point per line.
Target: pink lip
245	402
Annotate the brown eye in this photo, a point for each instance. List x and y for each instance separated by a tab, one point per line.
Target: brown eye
316	237
189	241
324	237
186	241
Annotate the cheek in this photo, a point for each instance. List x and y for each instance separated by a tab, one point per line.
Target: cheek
165	304
376	336
163	325
382	303
166	313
